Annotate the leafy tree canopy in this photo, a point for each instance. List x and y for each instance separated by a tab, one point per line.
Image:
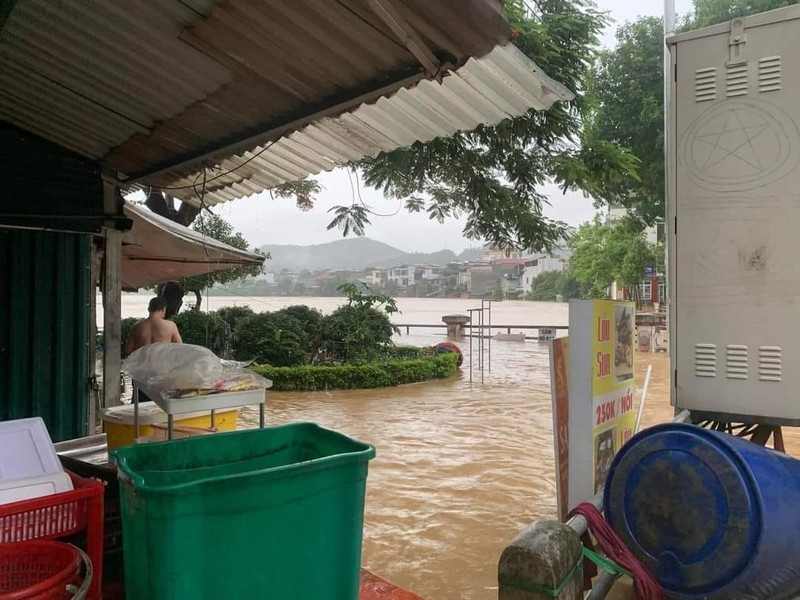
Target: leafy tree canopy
219	229
710	12
604	253
553	285
493	175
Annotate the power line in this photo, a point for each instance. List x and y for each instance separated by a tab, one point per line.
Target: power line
223	174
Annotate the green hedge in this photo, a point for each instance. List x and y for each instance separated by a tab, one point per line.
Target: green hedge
370	375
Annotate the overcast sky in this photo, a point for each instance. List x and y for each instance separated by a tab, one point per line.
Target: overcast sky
266	221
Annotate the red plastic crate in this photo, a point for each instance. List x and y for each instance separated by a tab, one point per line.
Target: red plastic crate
40	569
61	515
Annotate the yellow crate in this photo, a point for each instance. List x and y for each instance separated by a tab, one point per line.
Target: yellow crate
118	422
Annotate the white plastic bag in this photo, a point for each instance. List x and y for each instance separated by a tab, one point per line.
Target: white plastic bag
165	366
186	370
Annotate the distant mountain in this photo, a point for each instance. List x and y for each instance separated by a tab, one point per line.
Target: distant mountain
354	253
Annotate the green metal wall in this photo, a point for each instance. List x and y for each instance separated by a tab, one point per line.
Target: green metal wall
44	329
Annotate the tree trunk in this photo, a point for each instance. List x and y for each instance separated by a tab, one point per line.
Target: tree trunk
164	205
199	300
173	293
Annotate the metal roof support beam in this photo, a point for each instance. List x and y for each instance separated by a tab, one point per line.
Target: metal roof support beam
389	15
112	302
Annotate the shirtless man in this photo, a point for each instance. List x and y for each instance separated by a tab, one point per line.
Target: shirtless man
155	328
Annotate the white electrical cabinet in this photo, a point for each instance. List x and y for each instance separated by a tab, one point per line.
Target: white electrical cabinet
734	219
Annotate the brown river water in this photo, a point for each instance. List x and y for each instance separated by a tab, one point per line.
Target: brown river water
461	467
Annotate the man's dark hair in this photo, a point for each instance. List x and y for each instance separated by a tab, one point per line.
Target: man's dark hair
156	304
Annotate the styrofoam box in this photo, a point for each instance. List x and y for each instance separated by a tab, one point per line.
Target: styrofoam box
29	465
34	487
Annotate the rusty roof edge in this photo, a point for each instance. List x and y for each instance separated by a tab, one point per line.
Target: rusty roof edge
237	146
138	211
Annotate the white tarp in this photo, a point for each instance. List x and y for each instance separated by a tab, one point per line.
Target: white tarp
157	250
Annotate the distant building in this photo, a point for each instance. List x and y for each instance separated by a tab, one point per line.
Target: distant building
432	273
491	255
268	277
543	263
402	276
482	280
464	277
372	277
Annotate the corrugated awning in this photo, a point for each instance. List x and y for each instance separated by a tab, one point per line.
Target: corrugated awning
503	84
153	89
157	250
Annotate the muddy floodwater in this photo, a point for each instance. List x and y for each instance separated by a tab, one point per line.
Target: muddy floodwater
461	467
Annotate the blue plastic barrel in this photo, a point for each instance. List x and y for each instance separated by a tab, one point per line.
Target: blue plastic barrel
711	515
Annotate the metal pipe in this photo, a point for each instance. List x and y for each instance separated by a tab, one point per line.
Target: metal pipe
471	316
669	30
578	522
642	399
602	585
683	417
135	412
480	341
490	336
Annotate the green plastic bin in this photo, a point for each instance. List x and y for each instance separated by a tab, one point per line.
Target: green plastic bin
265	513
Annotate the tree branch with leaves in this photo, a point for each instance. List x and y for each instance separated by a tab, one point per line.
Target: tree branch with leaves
604	253
219	229
494	175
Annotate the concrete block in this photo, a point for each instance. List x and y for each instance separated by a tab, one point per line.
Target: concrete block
541	557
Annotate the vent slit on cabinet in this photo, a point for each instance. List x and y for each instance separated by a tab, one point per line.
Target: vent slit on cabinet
705	360
736	81
770	364
769	74
705	84
736	362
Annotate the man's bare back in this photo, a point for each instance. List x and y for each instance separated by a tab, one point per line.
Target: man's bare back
155	328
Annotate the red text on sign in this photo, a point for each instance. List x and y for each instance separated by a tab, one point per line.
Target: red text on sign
603	364
626	402
626	435
603	329
605	412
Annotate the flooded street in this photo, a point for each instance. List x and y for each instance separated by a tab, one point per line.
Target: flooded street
459	470
460	467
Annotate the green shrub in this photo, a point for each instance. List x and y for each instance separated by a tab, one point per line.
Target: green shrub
361	376
205	329
405	352
233	314
311	318
355	334
274	338
359	332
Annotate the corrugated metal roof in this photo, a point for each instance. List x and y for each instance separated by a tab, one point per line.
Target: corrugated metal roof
89	75
147	82
152	89
503	84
